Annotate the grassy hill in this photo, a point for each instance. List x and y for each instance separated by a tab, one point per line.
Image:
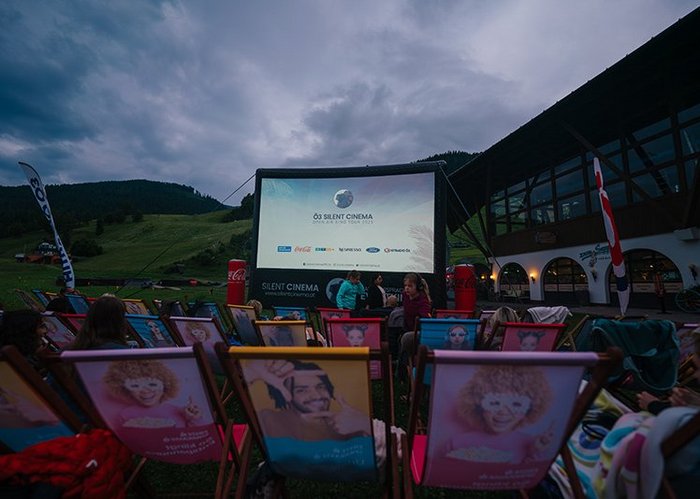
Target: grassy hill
157	242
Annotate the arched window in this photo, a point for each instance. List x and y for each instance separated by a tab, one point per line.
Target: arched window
641	267
513	278
563	278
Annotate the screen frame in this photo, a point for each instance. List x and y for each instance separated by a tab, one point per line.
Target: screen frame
393	280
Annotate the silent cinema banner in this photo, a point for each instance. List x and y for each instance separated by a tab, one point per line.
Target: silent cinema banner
365	223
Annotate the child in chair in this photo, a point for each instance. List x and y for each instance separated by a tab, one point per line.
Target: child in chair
494	405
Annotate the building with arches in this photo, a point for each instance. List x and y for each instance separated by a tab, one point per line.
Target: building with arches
535	197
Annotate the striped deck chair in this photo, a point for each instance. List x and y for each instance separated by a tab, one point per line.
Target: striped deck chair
497	420
43	297
359	332
313	413
529	337
73	321
163	405
282	333
243	319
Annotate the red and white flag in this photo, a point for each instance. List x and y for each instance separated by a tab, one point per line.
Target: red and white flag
618	262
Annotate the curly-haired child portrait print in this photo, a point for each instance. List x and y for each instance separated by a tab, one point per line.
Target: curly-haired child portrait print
497	426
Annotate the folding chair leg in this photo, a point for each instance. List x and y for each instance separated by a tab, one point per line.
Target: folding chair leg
134	473
245	466
406	468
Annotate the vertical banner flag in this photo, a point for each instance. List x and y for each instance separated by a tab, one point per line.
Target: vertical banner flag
40	194
618	262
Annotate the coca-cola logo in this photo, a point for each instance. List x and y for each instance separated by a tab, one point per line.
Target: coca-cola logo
302	249
237	275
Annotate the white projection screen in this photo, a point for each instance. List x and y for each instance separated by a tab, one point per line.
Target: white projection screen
321	223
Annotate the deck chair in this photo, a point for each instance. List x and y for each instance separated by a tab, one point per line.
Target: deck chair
79	303
281	387
325	313
169	307
74	322
30	411
567	341
358	332
30	302
55	331
43	297
150	331
299	313
163	405
497	420
282	333
453	314
136	306
206	330
207	309
243	319
529	337
444	334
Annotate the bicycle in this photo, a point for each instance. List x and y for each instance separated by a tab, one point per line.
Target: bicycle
688	300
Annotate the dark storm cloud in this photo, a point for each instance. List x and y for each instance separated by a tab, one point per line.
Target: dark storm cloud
203	93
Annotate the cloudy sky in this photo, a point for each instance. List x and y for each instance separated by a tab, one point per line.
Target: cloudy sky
205	92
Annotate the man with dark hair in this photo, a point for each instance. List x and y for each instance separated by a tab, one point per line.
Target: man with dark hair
302	393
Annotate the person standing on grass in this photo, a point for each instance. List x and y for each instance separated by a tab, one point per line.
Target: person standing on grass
349	291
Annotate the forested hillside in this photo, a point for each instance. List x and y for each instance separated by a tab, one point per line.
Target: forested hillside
73	204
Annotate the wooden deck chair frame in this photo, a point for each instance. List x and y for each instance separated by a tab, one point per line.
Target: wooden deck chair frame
233	313
606	364
131	318
444	313
509	331
294	326
29	376
285	311
568	337
238	453
29	301
229	359
675	442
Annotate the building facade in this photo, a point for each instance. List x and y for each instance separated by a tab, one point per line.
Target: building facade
535	197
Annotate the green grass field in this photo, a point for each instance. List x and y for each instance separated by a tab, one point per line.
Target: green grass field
156	244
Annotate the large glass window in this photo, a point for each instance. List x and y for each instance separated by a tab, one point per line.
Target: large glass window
542	215
498	208
653	129
541	194
689	113
690	139
564	275
571	182
616	195
608	174
649	184
572	207
516	201
691	169
568	165
517	221
513	277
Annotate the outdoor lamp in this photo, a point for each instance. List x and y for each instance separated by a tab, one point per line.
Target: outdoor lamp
594	274
532	277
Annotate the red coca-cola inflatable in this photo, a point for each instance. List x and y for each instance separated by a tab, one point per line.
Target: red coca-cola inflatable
465	287
236	282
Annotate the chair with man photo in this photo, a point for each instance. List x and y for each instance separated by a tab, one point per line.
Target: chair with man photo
163	405
497	420
312	412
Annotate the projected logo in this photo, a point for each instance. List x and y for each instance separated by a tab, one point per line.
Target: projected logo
284	249
332	288
373	250
343	198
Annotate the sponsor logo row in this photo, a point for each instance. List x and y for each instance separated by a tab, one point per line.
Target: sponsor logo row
323	249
